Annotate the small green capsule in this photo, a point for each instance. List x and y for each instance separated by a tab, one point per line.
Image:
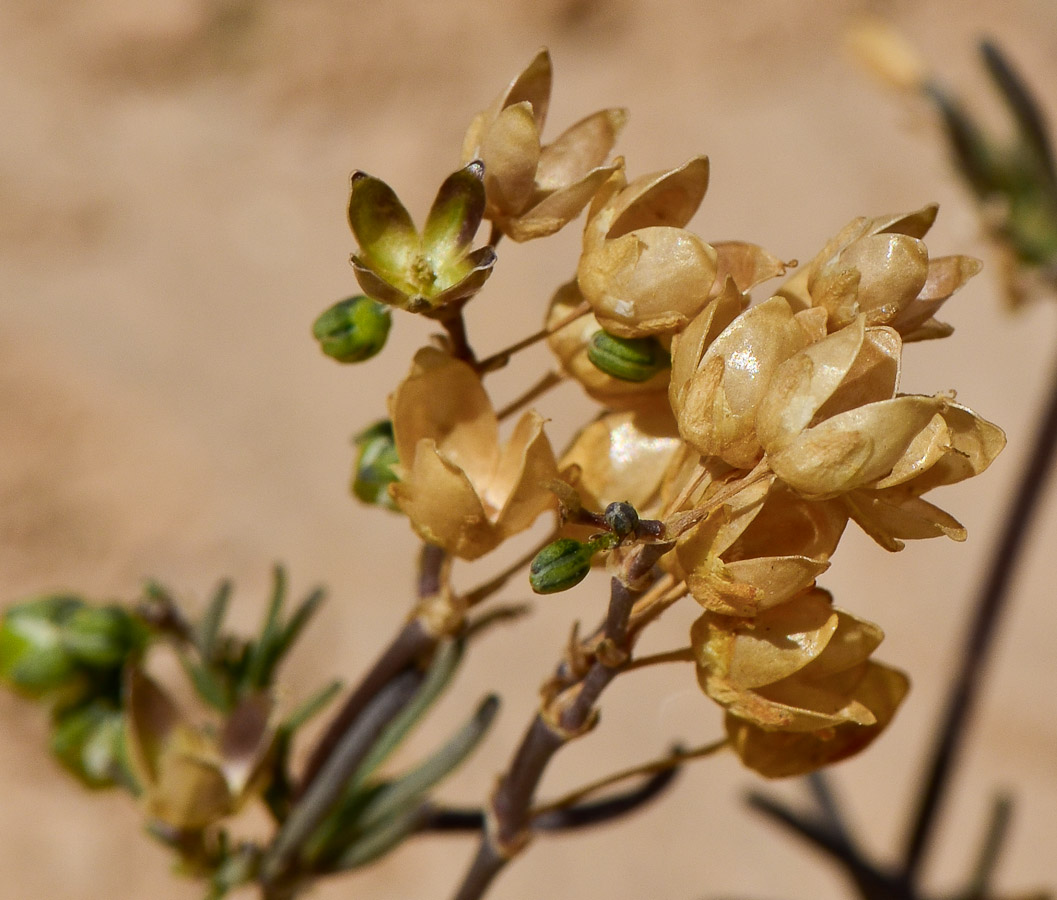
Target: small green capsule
103	637
560	566
629	359
622	518
373	473
33	657
353	330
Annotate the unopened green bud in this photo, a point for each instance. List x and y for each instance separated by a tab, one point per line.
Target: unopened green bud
622	518
353	330
629	359
89	741
560	565
33	657
103	637
374	474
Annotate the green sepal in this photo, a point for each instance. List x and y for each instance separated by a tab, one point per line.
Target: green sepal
627	359
103	637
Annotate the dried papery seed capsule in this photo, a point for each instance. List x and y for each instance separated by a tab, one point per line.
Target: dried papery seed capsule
353	330
622	518
629	359
561	565
373	473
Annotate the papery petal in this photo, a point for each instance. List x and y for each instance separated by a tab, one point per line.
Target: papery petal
191	792
510	151
556	210
854	448
777	754
932	443
751	653
442	504
383	228
455	216
916	224
803	382
974	444
891	517
624	456
533	85
652	281
152	719
668	198
892	268
442	399
689	345
520	487
873	376
718	413
579	149
748	264
245	740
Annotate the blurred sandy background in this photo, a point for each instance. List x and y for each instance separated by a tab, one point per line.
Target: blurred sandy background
172	183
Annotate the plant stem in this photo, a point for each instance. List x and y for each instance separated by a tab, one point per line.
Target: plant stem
500	359
990	604
551	379
509	826
325	790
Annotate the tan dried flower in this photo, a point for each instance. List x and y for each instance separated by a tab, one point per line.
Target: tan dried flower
880	268
570	344
420	272
760	550
190	776
642	272
460	490
801	667
534	190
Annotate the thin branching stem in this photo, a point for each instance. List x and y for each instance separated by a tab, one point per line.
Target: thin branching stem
500	359
989	607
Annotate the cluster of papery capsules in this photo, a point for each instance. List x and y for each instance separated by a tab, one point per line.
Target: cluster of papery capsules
749	435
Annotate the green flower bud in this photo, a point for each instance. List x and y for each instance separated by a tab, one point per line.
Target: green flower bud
629	359
622	518
373	473
561	565
34	659
353	330
103	637
89	741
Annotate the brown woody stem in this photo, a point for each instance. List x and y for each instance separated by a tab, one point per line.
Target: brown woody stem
510	823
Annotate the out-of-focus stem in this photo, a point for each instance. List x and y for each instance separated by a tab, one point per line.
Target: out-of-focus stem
989	606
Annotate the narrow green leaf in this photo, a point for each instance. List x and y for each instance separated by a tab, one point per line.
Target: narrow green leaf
445	662
209	627
398	794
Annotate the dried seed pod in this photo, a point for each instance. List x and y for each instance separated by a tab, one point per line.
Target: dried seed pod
622	518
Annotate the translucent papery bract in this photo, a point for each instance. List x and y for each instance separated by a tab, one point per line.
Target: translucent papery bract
459	490
623	456
570	345
880	268
641	272
534	190
715	401
649	281
191	778
796	667
747	264
764	548
782	754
